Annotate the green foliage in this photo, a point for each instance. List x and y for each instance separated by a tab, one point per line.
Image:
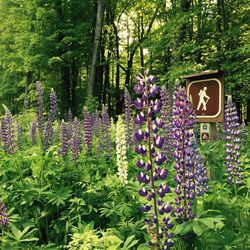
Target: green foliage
91	103
54	202
53	41
86	238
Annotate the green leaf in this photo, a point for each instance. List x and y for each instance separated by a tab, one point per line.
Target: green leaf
198	228
184	228
143	247
210	222
30	239
129	242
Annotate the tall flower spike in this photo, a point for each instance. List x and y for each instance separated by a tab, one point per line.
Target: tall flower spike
87	123
183	132
165	116
121	151
200	174
99	134
95	119
69	124
152	173
8	132
53	105
64	139
49	131
76	139
40	108
33	132
128	118
232	138
4	218
106	125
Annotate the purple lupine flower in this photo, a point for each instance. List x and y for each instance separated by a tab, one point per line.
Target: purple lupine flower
53	105
151	163
40	108
165	116
48	135
70	121
106	125
183	132
232	139
200	175
95	119
64	140
98	133
49	130
4	218
76	139
8	132
88	124
33	132
128	118
19	134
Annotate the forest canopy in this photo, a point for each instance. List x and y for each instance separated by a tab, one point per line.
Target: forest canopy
83	48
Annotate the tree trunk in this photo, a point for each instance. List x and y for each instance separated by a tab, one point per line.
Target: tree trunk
118	102
100	72
96	47
129	68
106	79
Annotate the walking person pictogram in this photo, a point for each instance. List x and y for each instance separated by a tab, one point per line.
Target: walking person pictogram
202	95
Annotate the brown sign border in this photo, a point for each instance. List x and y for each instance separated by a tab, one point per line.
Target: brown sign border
206	80
208	75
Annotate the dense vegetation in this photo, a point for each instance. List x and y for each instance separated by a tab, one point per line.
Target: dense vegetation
92	157
75	184
60	43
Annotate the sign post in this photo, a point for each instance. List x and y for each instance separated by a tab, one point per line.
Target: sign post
206	91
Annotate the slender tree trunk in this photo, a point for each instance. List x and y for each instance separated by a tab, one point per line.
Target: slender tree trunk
141	57
141	34
129	68
96	47
100	72
118	102
107	78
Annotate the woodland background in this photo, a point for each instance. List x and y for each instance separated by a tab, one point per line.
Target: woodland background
95	47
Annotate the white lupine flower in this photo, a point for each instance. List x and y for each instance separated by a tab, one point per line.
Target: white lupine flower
121	150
